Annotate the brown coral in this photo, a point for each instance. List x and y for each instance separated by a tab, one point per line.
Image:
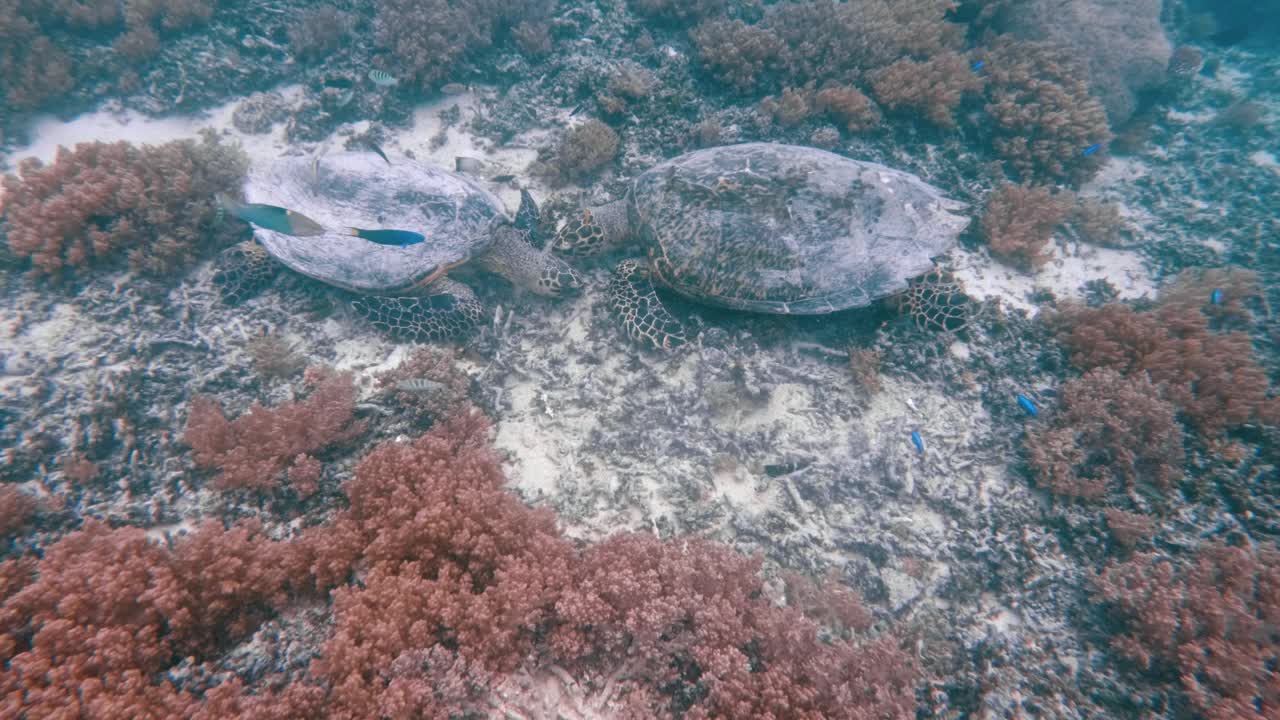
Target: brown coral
255	448
1111	434
1019	221
934	88
1045	118
854	109
1212	377
1213	621
583	150
797	43
99	202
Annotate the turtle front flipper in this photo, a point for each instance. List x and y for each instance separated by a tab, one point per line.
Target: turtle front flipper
644	318
242	270
451	310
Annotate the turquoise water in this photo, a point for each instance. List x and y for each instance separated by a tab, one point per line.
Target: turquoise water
639	359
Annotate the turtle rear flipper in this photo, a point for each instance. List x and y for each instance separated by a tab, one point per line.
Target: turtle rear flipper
242	270
644	318
451	311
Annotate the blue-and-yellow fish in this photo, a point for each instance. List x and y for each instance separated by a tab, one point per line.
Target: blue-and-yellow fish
917	441
1026	404
271	217
394	238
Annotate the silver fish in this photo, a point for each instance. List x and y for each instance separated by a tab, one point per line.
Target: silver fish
453	88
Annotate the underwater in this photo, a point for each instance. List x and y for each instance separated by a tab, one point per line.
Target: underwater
594	359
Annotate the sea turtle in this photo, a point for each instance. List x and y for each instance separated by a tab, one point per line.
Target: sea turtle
305	211
768	228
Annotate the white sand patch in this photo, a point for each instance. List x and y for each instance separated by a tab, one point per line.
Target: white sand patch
113	123
1064	275
1264	159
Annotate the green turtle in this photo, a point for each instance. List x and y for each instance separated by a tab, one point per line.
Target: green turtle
390	234
764	227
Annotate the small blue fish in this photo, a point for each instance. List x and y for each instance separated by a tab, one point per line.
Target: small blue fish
395	238
1026	404
383	79
978	65
1091	149
917	441
1215	297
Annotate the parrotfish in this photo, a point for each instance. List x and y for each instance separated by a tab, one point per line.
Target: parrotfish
1025	403
271	217
396	238
1091	149
1215	297
917	441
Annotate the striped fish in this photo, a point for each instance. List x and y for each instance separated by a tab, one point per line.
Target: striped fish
383	79
419	385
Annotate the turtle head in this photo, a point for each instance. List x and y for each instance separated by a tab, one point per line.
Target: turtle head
593	230
511	256
557	278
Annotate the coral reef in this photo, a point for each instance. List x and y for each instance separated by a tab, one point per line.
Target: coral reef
1045	119
110	609
318	31
1211	621
1212	377
822	42
1110	434
16	509
933	88
582	150
444	586
426	40
1019	220
1122	43
252	450
98	202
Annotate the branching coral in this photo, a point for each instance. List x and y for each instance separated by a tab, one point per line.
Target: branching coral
32	69
447	590
1212	621
823	42
1211	377
427	386
1045	120
16	508
1019	221
425	40
252	450
1110	434
110	609
100	201
934	88
692	619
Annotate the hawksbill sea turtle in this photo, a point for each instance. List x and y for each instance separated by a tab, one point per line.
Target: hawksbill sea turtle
764	227
304	209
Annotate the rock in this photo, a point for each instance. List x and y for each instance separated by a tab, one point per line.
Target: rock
1121	41
258	113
